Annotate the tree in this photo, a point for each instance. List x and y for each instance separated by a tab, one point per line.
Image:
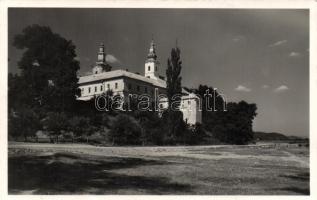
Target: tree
48	68
235	125
173	116
173	79
125	131
24	123
80	126
18	94
56	123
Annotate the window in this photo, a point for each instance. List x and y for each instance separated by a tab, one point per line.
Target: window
148	68
145	89
138	88
101	88
188	102
129	86
116	85
95	88
89	90
108	86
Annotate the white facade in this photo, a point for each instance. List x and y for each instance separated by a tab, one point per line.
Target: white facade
123	83
151	64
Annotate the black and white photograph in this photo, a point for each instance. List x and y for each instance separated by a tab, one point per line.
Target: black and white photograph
158	101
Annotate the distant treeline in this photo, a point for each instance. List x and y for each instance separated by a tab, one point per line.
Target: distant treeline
269	136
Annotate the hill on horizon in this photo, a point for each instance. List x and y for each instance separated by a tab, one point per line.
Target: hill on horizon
259	135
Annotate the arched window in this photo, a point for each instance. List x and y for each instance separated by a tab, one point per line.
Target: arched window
149	68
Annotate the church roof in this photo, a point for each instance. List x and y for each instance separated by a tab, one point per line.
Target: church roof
152	54
118	74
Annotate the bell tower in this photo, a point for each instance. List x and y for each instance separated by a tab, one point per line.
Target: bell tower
101	64
151	63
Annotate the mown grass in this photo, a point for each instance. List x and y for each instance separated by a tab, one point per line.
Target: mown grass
78	169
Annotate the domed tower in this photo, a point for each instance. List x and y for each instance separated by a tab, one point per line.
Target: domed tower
151	63
101	64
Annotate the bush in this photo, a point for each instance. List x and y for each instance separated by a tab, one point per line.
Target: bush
56	124
23	123
125	131
195	135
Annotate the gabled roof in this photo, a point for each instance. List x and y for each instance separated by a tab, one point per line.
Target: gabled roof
120	73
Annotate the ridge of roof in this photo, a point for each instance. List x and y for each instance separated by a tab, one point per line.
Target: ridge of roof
119	73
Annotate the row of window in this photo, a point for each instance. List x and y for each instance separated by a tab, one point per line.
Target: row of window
138	88
101	88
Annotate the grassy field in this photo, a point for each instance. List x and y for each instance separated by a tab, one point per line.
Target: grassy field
205	170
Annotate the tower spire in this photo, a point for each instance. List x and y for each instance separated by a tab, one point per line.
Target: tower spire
151	63
101	54
152	53
101	64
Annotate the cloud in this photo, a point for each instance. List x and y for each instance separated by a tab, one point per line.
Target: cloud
294	54
265	86
278	43
238	38
281	88
112	59
242	88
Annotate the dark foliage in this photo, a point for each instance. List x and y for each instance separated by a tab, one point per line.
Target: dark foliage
125	131
173	117
48	70
24	123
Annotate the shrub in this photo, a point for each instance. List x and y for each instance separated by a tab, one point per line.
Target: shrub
125	131
55	123
23	123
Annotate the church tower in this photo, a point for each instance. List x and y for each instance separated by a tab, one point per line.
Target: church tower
101	64
151	63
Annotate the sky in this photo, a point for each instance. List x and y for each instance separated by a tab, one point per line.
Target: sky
260	56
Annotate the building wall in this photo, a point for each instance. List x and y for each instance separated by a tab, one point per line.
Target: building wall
124	86
190	109
97	88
